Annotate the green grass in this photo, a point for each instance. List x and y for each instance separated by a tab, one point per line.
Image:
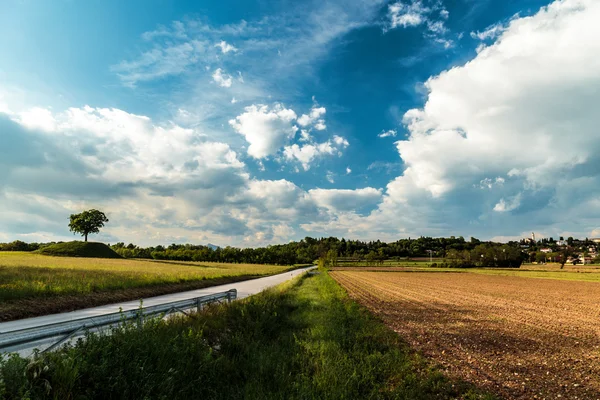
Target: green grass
587	273
79	249
393	263
67	283
307	340
591	275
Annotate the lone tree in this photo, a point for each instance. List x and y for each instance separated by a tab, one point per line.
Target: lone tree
87	222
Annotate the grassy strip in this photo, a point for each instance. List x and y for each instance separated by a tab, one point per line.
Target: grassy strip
66	283
304	341
54	303
588	274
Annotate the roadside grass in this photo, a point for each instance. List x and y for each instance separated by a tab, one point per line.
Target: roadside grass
67	283
305	340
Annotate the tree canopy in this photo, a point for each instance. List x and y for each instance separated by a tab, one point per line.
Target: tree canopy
87	222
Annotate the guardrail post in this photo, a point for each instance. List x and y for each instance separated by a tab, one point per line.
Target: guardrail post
231	295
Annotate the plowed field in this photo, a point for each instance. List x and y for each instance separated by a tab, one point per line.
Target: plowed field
522	338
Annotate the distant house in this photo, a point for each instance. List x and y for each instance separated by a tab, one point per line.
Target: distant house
546	250
585	260
561	243
595	240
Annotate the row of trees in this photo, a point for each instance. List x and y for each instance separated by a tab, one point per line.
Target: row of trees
457	251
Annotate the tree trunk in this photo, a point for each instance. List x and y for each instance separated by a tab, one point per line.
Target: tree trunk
86	236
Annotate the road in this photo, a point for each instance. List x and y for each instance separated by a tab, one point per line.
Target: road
244	289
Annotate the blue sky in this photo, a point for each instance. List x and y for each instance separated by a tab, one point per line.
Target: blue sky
256	122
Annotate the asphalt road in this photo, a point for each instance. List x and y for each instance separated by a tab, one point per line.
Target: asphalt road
244	289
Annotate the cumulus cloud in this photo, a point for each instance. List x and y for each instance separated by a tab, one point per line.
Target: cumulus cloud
491	32
271	129
346	200
508	204
388	133
431	14
306	154
314	117
536	126
406	15
221	78
226	47
267	129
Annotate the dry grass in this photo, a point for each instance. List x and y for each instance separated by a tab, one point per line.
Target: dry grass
61	281
587	273
522	338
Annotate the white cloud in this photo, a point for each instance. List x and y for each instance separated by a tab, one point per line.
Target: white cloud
160	62
305	136
431	14
330	176
340	141
226	47
222	79
407	15
489	183
388	133
491	32
348	171
509	204
307	153
320	125
233	100
346	200
471	115
38	118
266	129
314	117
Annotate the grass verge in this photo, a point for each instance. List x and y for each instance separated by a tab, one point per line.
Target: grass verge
307	340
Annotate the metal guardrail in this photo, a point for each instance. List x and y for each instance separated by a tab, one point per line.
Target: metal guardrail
68	329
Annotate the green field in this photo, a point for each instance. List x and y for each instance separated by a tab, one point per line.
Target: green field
67	283
587	273
304	340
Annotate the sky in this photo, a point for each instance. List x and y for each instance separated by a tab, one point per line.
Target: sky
255	122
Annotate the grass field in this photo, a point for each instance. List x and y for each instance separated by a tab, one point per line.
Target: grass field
69	283
305	341
415	262
521	338
587	273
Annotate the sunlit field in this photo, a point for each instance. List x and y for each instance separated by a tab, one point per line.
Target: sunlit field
586	273
60	280
520	338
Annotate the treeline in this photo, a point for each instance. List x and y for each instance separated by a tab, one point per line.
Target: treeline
18	245
457	250
487	256
309	250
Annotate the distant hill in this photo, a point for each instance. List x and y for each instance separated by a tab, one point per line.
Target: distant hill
213	246
79	249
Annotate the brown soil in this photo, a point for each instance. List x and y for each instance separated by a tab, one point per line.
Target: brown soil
521	338
34	307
